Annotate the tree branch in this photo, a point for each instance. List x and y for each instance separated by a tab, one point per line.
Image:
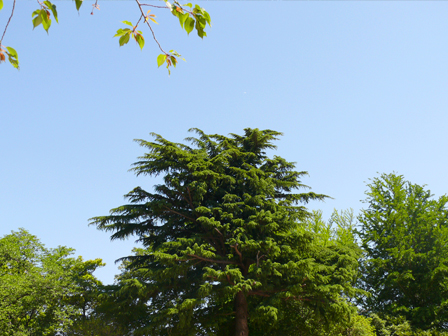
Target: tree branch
227	262
152	31
9	20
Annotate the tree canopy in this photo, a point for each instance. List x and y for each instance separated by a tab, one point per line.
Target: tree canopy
42	291
404	233
226	246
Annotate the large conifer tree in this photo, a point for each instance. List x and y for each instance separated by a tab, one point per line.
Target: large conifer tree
224	245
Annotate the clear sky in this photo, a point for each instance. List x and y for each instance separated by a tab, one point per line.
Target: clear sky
357	88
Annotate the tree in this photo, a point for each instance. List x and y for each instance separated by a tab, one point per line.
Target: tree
225	246
190	18
38	285
404	232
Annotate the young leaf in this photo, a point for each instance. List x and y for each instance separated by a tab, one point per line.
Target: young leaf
128	23
46	21
12	52
12	57
140	40
78	4
189	25
182	19
207	18
124	39
53	9
38	19
1	4
121	32
161	59
173	60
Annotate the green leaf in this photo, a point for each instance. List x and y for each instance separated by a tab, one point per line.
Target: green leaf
12	52
121	32
207	18
173	60
124	39
188	5
46	21
1	4
53	9
140	40
182	19
189	25
37	20
12	57
161	59
78	4
128	23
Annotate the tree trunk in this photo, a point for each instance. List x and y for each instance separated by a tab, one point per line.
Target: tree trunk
241	315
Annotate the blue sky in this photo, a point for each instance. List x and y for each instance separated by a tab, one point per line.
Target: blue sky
357	88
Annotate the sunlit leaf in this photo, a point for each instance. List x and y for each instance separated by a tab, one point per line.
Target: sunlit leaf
46	21
161	59
182	19
12	51
37	20
1	4
78	4
189	25
174	60
124	39
128	23
12	57
121	32
140	40
53	9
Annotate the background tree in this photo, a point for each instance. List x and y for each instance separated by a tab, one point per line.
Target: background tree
225	244
404	232
191	17
38	285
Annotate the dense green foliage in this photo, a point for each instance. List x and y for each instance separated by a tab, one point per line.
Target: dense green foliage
229	248
404	234
41	290
226	246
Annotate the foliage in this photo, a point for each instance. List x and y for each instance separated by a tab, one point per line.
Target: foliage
405	235
38	286
190	17
399	326
225	243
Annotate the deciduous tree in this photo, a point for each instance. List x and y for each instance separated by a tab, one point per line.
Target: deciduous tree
39	287
404	232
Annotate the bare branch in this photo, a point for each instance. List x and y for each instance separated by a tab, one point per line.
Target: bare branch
9	20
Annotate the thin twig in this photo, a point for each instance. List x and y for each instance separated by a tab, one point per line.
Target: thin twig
9	20
152	31
95	6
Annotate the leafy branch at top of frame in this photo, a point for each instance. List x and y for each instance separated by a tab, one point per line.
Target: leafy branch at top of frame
8	51
189	19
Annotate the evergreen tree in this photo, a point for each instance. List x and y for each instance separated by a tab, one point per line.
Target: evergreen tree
226	247
404	232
